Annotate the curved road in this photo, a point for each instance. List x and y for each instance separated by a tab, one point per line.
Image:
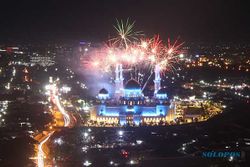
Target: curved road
41	154
66	116
67	123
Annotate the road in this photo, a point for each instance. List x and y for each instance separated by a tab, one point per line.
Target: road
65	114
41	155
43	138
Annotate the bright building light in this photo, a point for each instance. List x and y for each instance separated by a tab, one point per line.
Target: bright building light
139	141
191	97
120	133
85	134
84	149
66	89
231	158
58	141
87	163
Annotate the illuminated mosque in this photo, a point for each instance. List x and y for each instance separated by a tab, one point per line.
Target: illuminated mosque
129	106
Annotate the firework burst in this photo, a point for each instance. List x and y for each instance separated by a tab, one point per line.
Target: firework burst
138	55
126	33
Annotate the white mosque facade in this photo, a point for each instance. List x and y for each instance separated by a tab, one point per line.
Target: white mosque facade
128	105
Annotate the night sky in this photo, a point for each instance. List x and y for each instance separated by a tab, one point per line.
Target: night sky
192	20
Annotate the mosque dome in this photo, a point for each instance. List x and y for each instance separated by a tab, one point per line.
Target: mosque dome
103	91
132	84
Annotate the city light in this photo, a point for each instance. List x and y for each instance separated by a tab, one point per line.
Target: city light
87	163
85	134
41	154
231	158
58	141
139	142
94	90
65	89
84	149
120	133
